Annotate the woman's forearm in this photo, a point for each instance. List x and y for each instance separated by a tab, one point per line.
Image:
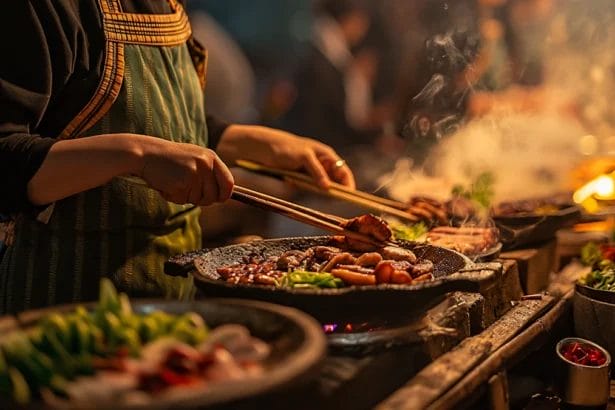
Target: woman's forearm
74	166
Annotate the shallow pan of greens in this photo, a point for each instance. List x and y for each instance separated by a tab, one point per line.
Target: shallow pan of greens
155	354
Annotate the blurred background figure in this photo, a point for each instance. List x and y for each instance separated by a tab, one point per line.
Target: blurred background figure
479	56
334	96
378	80
231	82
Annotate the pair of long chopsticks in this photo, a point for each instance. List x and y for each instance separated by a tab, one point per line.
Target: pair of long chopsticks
331	223
363	199
328	222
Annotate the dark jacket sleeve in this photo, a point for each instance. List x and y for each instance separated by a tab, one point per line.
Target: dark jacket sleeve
25	90
216	128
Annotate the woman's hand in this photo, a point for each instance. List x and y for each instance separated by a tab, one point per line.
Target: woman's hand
186	173
182	173
279	149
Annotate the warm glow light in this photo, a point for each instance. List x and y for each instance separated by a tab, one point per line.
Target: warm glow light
602	187
588	144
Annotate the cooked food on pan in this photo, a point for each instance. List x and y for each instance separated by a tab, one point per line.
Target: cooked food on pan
533	206
344	263
112	356
428	210
467	240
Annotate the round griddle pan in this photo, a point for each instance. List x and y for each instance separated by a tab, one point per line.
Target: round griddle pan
452	271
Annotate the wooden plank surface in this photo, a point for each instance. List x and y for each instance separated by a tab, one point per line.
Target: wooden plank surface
535	265
442	375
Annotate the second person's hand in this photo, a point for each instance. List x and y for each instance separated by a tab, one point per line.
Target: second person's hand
280	149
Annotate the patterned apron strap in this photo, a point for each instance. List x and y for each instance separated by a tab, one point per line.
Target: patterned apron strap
126	28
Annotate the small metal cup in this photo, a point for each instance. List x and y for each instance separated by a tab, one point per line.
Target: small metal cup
582	385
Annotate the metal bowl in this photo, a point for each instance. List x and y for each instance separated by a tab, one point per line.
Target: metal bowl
594	316
297	342
584	385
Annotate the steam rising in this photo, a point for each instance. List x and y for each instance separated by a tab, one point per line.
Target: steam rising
532	154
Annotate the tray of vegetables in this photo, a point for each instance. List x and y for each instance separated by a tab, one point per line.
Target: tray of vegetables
154	354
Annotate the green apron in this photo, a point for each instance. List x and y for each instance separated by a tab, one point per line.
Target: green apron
122	230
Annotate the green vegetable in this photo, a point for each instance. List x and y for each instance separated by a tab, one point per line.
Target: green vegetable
591	254
480	191
602	275
63	346
20	389
409	232
300	279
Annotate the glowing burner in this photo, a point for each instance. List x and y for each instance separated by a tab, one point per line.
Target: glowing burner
363	327
329	327
599	188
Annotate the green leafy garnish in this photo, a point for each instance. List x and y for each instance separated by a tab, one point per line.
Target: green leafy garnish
307	279
63	346
591	254
602	275
409	232
480	191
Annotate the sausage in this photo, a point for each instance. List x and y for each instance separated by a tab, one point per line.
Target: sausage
397	254
264	279
383	272
354	278
341	259
369	259
401	277
357	268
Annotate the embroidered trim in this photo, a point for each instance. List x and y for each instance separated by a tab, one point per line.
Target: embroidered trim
147	29
130	28
106	93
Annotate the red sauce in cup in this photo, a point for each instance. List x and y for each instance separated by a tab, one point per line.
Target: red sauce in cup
583	354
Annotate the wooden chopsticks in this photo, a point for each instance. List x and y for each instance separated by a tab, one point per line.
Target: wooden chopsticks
331	223
328	222
339	191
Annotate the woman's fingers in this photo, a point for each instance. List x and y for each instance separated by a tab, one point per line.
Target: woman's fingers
224	180
344	176
336	167
196	191
316	169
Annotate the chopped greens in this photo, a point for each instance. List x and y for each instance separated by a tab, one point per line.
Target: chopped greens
409	232
63	346
600	258
306	279
480	191
591	254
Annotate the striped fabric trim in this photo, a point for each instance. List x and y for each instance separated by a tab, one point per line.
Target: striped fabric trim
147	29
128	28
106	93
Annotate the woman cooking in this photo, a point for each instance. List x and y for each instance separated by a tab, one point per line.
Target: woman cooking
94	94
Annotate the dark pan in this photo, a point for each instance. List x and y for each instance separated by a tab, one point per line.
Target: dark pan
452	270
526	229
297	342
487	255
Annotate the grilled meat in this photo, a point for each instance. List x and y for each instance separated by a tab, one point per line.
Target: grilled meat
370	225
290	260
397	254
